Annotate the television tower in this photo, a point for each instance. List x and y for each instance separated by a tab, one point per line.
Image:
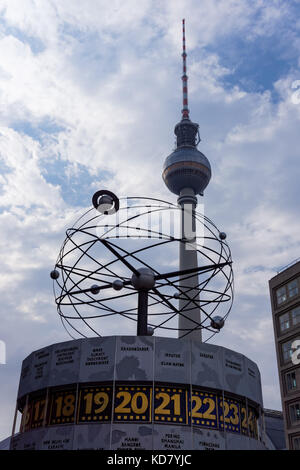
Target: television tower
187	172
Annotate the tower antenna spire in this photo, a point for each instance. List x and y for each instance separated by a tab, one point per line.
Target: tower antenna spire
185	109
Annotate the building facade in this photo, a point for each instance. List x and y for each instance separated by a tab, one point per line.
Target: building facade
285	302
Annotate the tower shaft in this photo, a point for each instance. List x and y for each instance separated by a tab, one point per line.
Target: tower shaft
189	293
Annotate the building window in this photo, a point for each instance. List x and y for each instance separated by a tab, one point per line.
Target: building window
296	316
286	292
281	295
296	443
294	413
289	319
284	321
293	288
287	351
291	381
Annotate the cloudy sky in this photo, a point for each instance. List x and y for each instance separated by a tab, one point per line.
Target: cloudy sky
89	95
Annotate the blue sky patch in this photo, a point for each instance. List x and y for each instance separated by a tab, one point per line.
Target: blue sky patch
36	44
37	130
256	65
75	180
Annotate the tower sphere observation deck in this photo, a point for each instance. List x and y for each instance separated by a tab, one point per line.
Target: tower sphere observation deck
186	167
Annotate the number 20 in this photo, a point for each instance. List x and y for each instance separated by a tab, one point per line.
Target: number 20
133	402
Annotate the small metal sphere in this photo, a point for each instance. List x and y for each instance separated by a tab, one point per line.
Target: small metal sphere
176	295
145	280
95	289
217	323
118	284
54	274
222	236
150	331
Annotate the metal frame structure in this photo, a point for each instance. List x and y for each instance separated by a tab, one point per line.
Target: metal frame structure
154	309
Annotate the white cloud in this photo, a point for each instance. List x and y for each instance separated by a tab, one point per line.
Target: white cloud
24	185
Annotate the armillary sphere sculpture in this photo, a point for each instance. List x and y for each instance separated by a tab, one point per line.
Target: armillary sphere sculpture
118	265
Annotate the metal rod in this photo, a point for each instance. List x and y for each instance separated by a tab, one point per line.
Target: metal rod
185	109
142	321
191	270
159	276
120	257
